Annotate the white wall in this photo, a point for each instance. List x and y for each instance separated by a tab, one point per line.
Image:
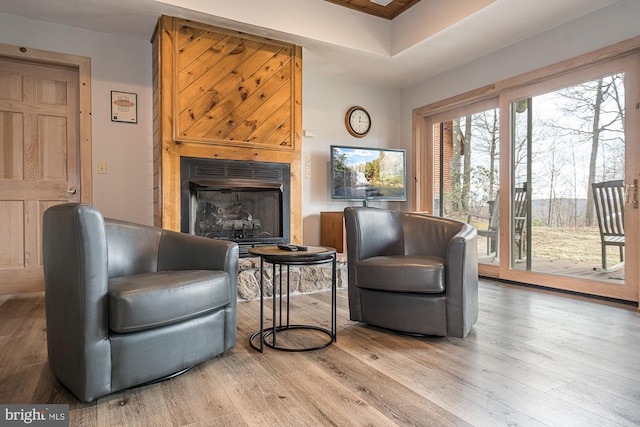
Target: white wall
117	63
325	102
599	29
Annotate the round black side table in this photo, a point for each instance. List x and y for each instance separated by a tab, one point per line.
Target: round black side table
277	257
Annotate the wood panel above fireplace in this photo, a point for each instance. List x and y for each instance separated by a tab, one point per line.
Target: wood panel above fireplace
222	94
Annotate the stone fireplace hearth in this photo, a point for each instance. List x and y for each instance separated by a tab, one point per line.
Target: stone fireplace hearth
304	279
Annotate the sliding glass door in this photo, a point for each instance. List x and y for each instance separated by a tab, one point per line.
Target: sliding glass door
467	170
547	175
572	182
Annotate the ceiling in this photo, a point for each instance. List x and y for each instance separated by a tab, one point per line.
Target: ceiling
390	11
427	39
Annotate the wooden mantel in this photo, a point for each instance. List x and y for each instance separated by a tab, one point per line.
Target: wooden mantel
223	94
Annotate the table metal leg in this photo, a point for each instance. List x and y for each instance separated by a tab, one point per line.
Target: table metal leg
261	305
288	287
278	323
334	326
274	296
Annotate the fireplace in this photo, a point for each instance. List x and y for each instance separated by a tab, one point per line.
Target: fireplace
245	202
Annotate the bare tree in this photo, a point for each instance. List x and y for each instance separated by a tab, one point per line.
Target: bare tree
597	108
595	139
466	172
486	142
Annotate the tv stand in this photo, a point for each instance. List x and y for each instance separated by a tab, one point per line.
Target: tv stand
332	232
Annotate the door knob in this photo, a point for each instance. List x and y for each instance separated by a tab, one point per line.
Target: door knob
72	190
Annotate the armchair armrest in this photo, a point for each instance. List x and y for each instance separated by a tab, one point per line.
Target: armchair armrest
426	234
75	274
462	282
180	251
370	232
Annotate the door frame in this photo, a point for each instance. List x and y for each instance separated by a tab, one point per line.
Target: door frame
83	66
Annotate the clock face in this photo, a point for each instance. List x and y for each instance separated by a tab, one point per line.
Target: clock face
358	121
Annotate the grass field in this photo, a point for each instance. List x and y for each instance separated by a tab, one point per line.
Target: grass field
571	244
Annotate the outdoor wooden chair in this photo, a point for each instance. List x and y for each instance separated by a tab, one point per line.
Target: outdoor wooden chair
491	232
608	197
519	230
520	222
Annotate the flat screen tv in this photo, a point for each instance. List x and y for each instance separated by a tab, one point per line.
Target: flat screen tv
365	174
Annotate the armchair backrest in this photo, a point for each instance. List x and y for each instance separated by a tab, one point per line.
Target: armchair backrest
428	235
372	232
133	248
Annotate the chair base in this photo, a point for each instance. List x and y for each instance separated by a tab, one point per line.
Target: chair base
162	379
403	333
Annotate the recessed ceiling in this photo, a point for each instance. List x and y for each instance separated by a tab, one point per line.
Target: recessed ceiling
430	38
390	11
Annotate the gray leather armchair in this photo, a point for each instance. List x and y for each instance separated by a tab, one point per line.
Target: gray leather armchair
411	272
127	304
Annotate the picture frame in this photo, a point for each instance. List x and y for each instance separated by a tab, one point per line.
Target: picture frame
124	107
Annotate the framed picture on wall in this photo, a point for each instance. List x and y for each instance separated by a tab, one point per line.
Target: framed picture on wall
124	107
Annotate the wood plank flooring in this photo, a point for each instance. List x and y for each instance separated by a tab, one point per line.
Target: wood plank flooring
534	358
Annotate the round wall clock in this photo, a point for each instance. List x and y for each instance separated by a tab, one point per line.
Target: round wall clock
358	121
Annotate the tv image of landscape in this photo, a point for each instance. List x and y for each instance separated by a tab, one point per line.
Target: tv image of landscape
368	173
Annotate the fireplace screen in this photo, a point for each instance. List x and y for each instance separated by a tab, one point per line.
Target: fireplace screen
245	202
237	214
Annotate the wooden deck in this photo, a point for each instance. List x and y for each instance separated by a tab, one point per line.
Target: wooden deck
583	270
534	358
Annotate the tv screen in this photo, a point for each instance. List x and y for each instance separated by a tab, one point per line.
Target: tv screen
359	173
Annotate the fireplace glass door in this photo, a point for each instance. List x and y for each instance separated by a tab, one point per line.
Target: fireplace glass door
244	202
237	214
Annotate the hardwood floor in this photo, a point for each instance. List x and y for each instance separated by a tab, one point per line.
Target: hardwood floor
534	358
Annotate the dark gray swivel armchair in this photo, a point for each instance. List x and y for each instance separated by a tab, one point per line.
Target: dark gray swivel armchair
412	272
128	304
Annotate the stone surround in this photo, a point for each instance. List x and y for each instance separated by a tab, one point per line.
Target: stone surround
303	279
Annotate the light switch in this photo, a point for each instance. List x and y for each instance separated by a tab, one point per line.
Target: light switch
102	166
307	173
